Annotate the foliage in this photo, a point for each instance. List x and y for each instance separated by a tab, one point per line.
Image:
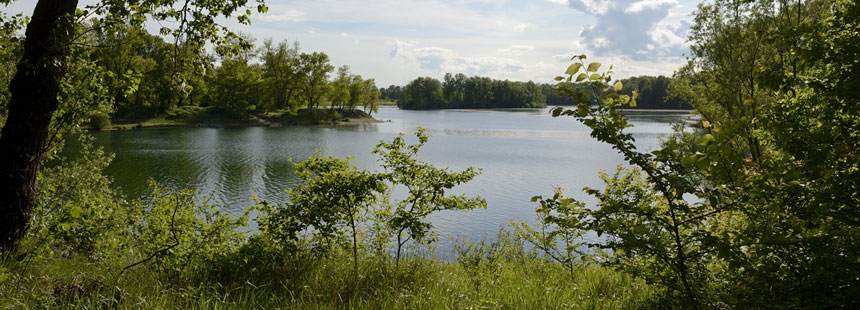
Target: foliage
668	230
235	86
425	185
79	215
176	230
652	93
280	73
747	210
99	121
516	280
77	211
140	76
10	51
335	196
461	92
421	93
556	233
349	91
391	93
315	70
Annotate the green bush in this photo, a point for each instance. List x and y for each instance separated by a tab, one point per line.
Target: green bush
183	113
99	121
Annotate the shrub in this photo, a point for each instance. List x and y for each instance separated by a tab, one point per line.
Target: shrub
99	120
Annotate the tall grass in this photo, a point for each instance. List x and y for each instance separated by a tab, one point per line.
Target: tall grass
494	275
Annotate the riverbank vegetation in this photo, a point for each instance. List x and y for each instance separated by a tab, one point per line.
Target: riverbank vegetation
755	207
148	82
461	92
651	93
89	247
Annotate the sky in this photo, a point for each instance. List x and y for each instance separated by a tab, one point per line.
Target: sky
395	41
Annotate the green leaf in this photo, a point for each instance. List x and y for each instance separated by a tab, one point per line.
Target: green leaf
573	69
594	77
592	67
75	212
689	160
706	139
618	86
581	110
703	162
581	77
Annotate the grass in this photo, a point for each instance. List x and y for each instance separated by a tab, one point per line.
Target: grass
509	279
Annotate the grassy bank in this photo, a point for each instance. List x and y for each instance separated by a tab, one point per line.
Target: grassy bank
506	277
194	116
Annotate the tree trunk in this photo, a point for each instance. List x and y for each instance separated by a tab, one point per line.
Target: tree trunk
33	91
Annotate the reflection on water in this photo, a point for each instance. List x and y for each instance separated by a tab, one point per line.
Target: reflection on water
522	153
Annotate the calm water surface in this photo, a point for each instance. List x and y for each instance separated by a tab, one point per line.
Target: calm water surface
522	154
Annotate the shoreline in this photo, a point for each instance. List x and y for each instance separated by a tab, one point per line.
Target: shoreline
356	117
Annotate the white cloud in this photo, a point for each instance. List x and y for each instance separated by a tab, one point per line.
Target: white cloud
456	17
648	4
641	29
516	50
597	7
560	2
283	16
439	60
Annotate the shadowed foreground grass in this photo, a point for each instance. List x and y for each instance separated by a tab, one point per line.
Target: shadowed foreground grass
502	278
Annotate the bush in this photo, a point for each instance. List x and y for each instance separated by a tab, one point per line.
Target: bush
183	113
99	121
77	211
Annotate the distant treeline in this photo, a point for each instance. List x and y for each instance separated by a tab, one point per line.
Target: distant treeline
653	93
461	92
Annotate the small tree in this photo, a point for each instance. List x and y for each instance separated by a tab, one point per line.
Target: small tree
668	232
335	194
425	185
556	232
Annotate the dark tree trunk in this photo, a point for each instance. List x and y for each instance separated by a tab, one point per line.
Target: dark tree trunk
34	91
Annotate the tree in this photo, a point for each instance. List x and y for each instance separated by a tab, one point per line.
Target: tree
458	91
340	91
421	93
650	221
556	232
40	71
236	86
280	72
315	69
365	94
425	186
750	209
392	92
335	194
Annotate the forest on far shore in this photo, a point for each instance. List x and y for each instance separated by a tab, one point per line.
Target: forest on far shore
462	92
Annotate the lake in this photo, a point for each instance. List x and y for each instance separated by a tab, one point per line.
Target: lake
522	153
